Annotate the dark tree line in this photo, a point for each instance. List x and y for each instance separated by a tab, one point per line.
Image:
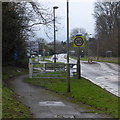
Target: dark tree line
106	40
18	23
107	15
13	37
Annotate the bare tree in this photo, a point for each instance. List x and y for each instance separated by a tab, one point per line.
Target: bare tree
20	19
76	31
107	26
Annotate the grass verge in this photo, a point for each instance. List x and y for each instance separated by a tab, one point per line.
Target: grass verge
10	71
11	108
84	91
94	59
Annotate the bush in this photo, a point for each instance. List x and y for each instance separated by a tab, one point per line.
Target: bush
17	63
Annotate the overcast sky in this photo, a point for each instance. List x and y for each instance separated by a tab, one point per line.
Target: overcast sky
80	16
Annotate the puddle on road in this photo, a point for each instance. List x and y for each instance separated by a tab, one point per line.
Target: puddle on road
51	103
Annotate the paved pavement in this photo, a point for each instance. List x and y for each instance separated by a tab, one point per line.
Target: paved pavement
46	104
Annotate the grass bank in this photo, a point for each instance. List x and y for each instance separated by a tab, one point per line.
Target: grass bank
11	108
10	71
84	91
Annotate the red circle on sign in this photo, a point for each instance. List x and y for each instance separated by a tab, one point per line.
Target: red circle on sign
78	41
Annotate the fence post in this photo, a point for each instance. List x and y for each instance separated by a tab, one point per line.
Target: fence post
30	68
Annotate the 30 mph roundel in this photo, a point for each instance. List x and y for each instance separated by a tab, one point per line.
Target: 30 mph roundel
78	41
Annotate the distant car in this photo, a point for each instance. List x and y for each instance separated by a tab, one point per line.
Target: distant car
39	55
32	56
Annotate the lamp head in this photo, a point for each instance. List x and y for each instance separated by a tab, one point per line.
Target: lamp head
55	7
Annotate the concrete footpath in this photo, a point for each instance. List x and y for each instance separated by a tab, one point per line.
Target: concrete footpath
46	104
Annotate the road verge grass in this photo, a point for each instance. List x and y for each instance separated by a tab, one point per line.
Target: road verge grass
11	108
102	60
84	91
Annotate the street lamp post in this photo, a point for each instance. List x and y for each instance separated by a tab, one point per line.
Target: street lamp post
55	7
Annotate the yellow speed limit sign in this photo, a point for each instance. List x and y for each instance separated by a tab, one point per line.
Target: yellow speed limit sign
79	41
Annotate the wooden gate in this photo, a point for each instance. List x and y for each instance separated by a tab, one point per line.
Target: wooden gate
47	70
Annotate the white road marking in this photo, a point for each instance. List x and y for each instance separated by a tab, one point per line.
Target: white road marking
51	103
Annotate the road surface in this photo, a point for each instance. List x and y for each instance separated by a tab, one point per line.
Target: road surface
103	74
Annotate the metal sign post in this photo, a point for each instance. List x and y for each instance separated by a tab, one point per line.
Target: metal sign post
78	65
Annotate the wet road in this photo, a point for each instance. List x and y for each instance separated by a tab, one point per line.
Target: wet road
46	104
103	74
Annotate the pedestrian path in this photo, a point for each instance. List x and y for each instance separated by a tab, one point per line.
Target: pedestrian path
46	104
